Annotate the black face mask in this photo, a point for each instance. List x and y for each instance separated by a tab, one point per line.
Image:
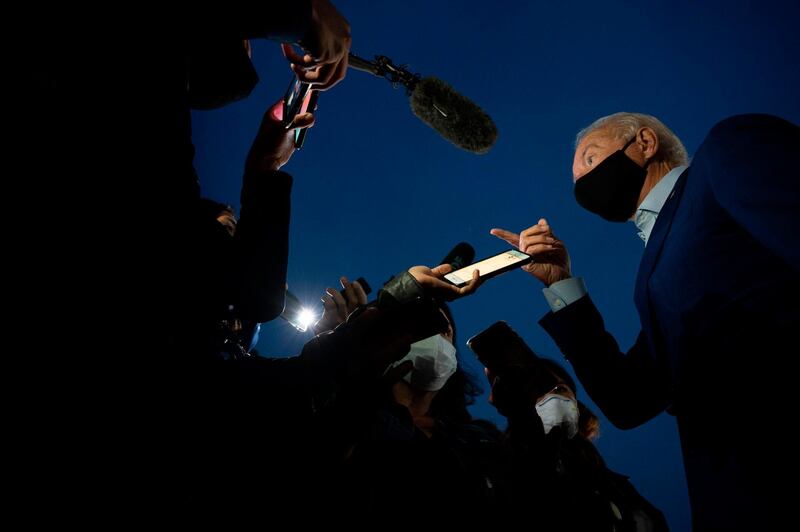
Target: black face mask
612	188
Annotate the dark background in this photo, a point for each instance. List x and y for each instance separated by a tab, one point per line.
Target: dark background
377	191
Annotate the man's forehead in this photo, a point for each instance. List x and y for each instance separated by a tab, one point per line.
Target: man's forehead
598	135
597	138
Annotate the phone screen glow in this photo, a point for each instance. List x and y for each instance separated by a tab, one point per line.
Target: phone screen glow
487	266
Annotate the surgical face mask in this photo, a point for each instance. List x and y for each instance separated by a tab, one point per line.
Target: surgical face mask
558	411
612	188
434	362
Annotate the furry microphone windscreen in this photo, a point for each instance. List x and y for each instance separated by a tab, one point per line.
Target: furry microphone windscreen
454	116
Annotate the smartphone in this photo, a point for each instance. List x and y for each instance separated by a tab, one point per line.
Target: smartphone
506	355
300	98
499	346
490	267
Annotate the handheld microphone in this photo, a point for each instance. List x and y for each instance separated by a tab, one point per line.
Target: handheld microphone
364	284
460	256
436	103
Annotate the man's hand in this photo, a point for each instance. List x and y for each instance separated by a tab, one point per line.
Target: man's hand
328	45
274	143
550	258
430	280
338	305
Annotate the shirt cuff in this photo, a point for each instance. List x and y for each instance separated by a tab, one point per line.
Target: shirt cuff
564	293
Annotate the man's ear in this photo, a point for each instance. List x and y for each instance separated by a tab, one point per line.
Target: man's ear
647	140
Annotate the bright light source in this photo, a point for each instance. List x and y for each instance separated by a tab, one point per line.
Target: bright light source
299	316
305	318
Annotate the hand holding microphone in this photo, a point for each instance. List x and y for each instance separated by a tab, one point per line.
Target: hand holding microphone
337	305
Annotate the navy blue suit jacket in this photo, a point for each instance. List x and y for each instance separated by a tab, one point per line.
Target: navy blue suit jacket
717	295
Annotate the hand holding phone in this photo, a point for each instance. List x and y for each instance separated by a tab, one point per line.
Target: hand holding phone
517	374
431	280
490	267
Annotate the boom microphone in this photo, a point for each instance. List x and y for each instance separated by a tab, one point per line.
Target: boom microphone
455	117
436	103
461	255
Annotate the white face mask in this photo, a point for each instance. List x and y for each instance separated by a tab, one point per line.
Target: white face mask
434	362
558	411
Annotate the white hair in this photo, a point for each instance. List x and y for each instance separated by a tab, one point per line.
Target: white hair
625	125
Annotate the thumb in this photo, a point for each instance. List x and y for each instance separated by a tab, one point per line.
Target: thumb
302	121
441	269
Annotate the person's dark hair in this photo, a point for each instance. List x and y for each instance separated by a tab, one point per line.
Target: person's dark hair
588	422
459	391
558	370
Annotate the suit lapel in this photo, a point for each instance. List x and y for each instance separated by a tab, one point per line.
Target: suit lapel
653	251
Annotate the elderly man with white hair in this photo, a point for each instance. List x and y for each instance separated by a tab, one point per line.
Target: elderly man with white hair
717	295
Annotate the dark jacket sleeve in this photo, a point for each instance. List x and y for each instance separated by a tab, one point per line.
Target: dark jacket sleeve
752	169
401	288
261	246
630	388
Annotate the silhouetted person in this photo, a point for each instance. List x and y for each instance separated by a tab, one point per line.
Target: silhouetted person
556	478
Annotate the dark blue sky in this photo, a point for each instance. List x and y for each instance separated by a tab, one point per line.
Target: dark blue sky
377	191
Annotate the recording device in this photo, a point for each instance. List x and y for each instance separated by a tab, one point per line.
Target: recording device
490	267
299	98
364	284
436	103
460	256
499	347
453	116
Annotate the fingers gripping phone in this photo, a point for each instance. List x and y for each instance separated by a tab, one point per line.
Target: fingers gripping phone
499	347
490	267
300	98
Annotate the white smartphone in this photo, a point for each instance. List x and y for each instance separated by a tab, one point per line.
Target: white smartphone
490	267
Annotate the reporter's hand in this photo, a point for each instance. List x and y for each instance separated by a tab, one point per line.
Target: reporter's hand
338	305
328	45
274	143
431	281
550	257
